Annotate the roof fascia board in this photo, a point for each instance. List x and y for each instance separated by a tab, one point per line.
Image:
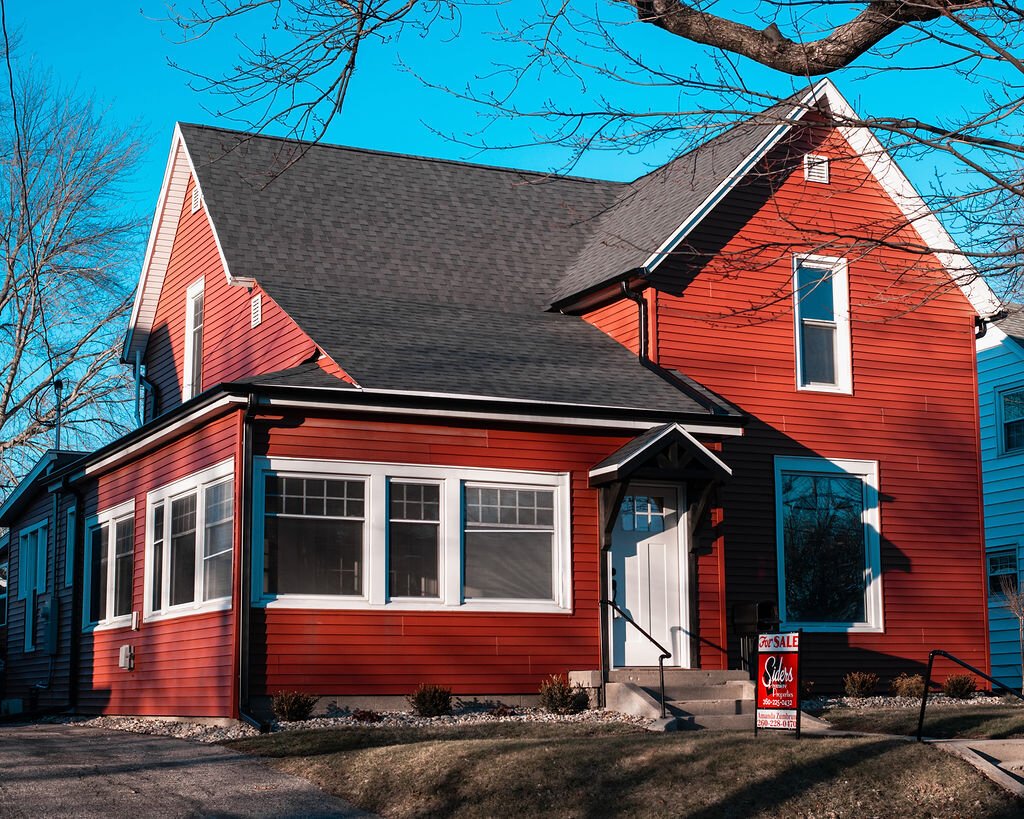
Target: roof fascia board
161	237
26	483
730	182
504	417
894	182
673	429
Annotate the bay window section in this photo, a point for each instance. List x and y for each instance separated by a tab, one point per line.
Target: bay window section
352	535
110	566
313	536
414	526
509	543
190	543
828	544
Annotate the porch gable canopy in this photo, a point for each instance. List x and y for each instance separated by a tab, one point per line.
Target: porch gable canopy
664	452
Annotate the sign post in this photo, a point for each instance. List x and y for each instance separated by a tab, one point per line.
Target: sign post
777	687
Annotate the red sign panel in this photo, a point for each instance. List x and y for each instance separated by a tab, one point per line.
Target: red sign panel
778	681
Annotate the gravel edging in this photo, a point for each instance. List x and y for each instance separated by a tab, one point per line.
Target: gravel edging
204	733
820	704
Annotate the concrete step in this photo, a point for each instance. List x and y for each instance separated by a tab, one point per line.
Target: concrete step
715	708
723	691
732	722
686	677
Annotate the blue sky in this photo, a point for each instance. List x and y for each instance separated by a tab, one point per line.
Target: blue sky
119	53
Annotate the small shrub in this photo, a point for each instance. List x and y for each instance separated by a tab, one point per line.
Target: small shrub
431	700
367	715
557	696
806	689
959	686
860	684
292	706
908	685
502	710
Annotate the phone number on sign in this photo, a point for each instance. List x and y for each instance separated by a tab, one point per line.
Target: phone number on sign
777	702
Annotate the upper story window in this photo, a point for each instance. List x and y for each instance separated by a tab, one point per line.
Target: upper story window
3	594
1002	572
352	535
193	375
190	543
822	324
1011	417
827	528
110	565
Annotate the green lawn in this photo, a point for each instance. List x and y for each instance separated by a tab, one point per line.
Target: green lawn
580	770
963	722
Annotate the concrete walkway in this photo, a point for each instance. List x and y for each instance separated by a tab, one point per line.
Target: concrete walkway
63	770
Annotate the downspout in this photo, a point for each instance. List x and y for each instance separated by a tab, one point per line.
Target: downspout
642	342
245	564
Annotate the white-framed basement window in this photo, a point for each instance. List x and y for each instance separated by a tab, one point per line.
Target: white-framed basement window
821	309
338	534
109	570
828	538
194	316
190	528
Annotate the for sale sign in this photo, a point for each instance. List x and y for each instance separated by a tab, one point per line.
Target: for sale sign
778	681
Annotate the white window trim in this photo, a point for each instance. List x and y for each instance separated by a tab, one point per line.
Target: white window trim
70	519
375	579
841	304
197	482
1001	449
195	289
4	592
23	588
108	517
867	471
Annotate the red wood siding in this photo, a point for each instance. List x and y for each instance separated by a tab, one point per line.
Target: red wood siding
619	320
728	322
183	666
232	348
391	652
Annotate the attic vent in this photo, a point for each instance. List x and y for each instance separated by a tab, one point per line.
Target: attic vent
256	310
816	168
197	199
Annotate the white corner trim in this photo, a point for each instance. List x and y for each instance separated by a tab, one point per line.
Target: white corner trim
180	168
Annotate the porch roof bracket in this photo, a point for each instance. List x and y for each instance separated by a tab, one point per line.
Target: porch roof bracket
644	450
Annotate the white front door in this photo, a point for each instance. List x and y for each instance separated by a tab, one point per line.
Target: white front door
648	571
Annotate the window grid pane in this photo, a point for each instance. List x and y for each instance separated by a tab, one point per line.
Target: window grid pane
124	547
414	540
491	507
314	497
1002	573
183	550
217	546
157	601
1013	421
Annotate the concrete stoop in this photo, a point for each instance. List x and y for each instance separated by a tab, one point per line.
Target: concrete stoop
694	699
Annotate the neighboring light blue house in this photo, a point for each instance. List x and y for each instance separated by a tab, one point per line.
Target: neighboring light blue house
1001	406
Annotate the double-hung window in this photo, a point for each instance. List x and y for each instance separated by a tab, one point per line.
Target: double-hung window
190	543
32	563
1002	572
110	565
352	535
822	325
827	527
1011	418
193	371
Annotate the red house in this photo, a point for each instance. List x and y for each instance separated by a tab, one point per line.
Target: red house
409	420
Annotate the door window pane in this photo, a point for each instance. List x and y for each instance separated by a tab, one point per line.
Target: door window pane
413	539
824	548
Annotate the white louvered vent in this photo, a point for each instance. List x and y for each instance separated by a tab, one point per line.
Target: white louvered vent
816	168
197	199
256	310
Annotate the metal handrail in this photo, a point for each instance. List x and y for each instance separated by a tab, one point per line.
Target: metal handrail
928	682
665	653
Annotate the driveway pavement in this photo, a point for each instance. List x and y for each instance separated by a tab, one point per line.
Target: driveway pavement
63	770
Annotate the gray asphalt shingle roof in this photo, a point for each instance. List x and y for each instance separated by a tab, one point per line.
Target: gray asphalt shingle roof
434	276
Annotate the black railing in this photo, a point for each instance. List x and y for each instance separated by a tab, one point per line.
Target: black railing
665	653
938	652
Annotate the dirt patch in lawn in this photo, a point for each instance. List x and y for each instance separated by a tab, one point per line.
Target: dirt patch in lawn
968	722
587	771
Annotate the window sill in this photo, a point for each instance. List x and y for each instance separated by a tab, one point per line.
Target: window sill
124	621
328	603
834	628
222	604
836	389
